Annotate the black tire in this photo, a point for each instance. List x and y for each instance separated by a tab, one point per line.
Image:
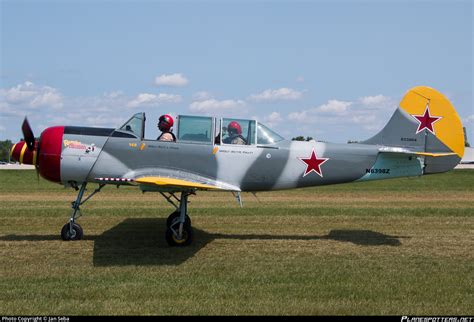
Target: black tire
173	216
186	239
77	232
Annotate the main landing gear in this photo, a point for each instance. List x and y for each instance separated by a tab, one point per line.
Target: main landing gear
178	225
72	230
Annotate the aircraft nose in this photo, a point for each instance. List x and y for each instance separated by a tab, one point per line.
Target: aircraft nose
22	154
50	149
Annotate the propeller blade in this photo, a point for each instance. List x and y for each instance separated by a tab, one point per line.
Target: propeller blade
28	135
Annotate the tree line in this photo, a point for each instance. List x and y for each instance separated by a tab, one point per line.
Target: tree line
5	147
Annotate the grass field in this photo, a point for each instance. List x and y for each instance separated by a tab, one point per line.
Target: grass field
403	247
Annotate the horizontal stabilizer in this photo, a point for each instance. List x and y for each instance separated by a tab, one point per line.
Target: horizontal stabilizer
411	152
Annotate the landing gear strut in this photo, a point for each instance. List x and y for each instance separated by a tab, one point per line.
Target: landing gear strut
72	230
179	231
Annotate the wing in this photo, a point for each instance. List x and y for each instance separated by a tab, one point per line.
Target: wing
168	180
171	180
167	183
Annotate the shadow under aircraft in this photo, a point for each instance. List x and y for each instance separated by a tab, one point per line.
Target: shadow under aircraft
139	241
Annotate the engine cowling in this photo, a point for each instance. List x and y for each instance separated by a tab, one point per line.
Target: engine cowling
49	156
46	154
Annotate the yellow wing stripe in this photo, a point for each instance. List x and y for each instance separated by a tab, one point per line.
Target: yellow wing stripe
162	181
448	129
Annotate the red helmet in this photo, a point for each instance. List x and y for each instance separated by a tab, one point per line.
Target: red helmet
234	127
165	122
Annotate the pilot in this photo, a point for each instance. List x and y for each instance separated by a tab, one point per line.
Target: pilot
165	123
235	134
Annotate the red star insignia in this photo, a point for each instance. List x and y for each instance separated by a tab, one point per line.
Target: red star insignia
426	121
313	164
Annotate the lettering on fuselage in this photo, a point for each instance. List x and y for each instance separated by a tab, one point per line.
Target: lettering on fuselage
235	151
377	171
408	139
163	147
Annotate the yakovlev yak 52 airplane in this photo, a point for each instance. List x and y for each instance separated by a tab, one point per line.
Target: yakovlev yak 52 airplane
424	136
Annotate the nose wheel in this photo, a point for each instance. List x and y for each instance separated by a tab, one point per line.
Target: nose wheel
71	233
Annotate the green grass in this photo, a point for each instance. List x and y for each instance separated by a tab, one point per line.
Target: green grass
402	247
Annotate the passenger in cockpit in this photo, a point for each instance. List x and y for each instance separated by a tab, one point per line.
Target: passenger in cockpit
235	134
165	124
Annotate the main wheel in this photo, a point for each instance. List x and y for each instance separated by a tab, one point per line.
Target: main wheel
175	216
76	234
186	238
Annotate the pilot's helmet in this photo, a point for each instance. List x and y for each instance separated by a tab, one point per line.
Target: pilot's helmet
165	123
234	127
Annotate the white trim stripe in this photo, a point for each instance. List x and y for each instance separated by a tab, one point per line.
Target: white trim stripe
115	179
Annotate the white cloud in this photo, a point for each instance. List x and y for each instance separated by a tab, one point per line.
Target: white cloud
377	102
146	99
469	119
142	99
273	119
374	100
334	107
7	110
49	98
302	116
41	103
31	95
202	96
280	94
213	105
114	94
338	113
176	80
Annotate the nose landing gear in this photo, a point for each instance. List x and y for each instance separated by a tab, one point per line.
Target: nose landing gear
72	230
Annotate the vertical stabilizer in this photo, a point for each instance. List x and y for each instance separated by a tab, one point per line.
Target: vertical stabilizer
425	121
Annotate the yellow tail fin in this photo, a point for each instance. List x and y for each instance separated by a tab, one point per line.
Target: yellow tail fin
425	123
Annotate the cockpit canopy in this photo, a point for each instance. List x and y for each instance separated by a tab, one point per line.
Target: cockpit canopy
209	130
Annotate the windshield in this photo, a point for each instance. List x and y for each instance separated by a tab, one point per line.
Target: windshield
267	136
134	125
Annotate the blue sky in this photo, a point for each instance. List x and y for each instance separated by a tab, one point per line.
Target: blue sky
331	70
